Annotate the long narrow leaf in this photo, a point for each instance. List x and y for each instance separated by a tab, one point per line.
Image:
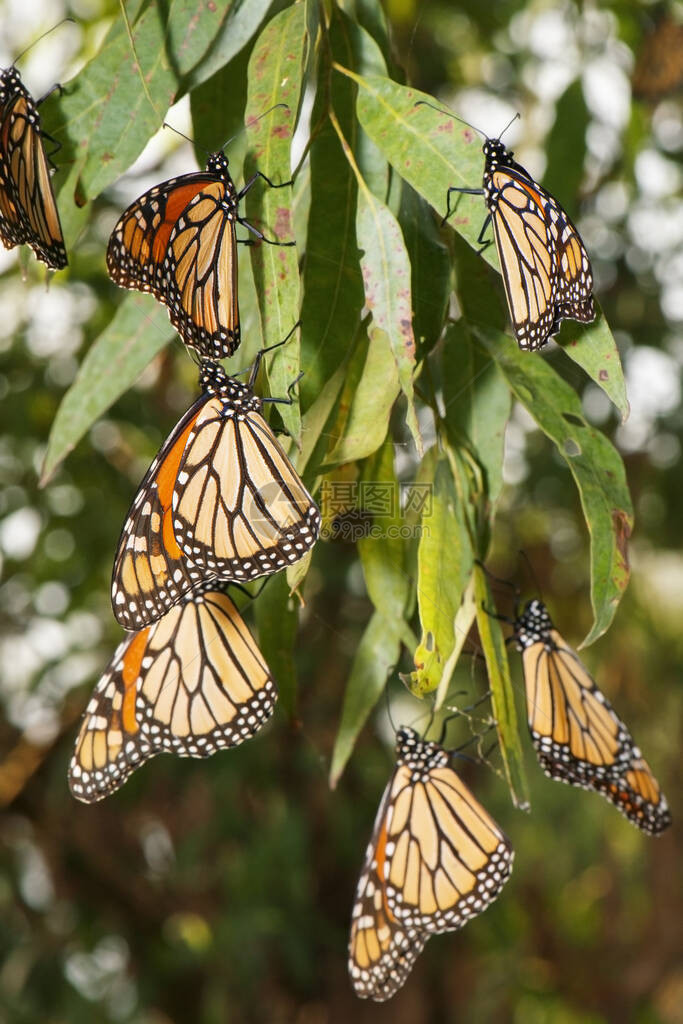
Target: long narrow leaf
502	695
275	76
377	654
139	330
594	462
443	568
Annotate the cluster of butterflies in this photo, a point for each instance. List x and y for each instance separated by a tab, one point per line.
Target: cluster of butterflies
221	505
436	857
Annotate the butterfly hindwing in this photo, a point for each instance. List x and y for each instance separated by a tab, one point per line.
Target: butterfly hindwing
191	684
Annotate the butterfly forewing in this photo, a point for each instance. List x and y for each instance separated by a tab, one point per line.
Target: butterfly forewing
151	572
28	211
178	242
577	735
191	684
240	509
382	950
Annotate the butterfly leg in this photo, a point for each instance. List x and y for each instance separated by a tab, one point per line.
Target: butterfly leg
55	88
289	400
260	235
484	242
261	353
460	191
252	181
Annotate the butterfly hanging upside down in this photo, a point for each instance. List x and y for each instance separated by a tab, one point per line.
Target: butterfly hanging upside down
436	859
178	241
191	684
545	266
28	210
578	737
220	500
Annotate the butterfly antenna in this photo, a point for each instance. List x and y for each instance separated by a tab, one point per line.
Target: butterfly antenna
532	572
508	125
447	113
252	121
186	137
389	714
497	579
46	33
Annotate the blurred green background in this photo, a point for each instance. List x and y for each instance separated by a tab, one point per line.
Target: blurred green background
221	891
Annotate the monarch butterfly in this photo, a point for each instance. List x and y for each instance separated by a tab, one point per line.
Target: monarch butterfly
28	211
221	499
436	858
178	242
577	735
546	269
191	684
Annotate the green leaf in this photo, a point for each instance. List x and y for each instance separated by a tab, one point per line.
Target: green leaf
477	403
371	388
275	76
242	21
502	695
382	554
593	347
595	464
430	268
444	565
375	658
139	330
104	115
565	147
333	289
217	108
461	628
365	57
431	152
386	279
277	619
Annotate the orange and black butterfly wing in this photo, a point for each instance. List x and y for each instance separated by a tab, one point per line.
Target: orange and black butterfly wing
446	859
200	274
577	734
382	950
138	244
151	573
545	266
636	793
240	509
191	684
28	210
111	743
436	859
178	242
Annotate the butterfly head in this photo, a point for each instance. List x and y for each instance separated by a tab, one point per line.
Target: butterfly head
496	152
218	164
420	756
533	625
213	380
10	81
